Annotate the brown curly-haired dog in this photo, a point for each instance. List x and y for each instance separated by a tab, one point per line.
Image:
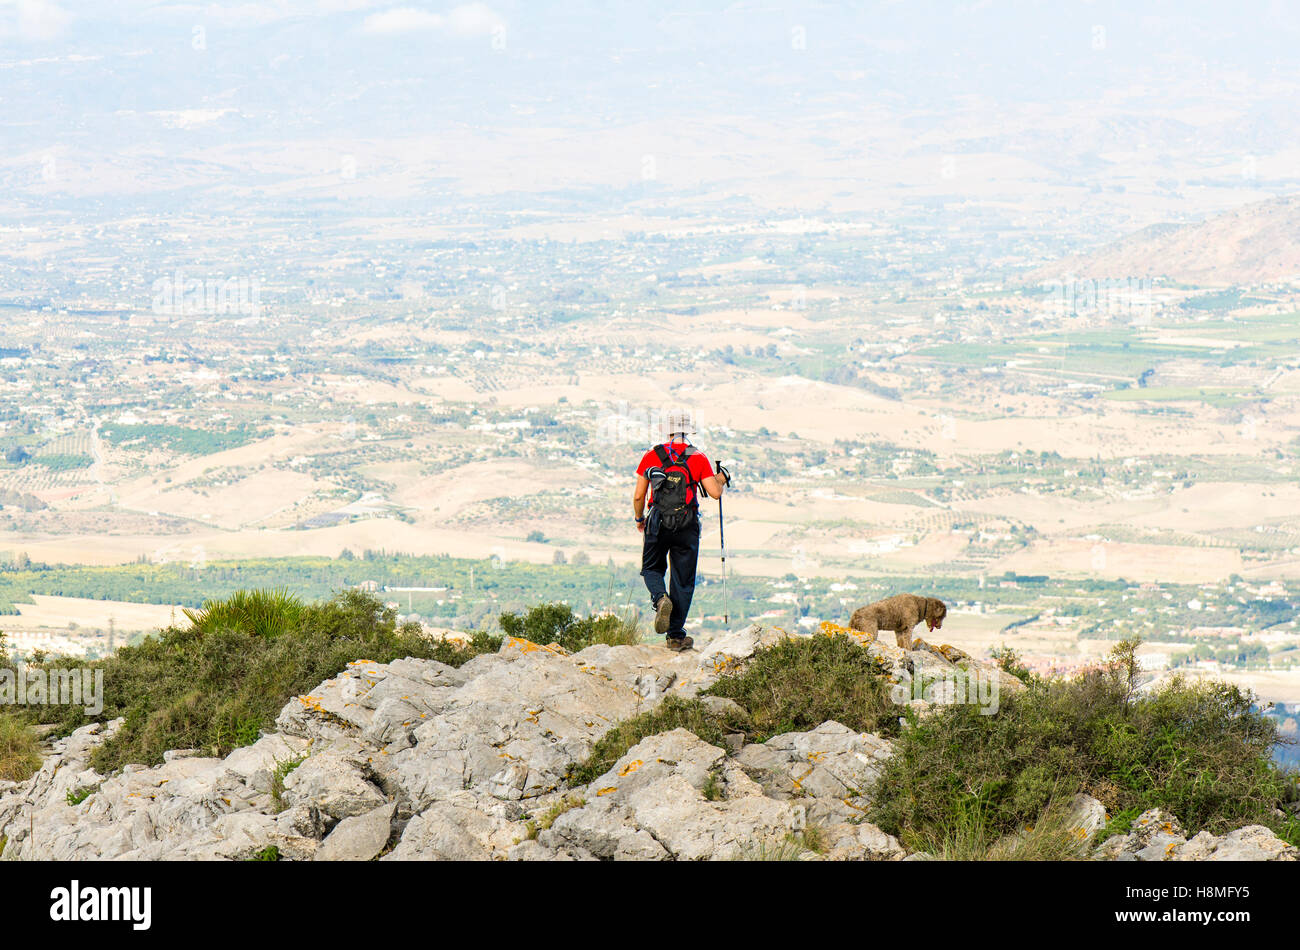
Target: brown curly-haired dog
900	614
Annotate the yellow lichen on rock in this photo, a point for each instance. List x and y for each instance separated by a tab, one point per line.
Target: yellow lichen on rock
722	663
528	646
829	629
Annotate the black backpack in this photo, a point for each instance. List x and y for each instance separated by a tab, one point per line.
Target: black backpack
671	481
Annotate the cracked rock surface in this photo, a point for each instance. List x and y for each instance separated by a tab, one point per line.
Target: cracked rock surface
415	759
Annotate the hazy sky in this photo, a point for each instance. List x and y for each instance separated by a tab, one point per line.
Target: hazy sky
142	54
106	81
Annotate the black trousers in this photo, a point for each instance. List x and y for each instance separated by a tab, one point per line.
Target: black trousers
677	552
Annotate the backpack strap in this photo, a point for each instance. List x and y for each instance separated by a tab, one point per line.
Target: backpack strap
665	456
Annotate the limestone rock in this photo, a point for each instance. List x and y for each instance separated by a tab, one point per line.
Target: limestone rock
1085	817
650	670
1157	836
861	842
730	650
659	790
692	829
831	761
265	755
515	728
532	850
360	837
603	828
724	708
1252	843
652	760
303	820
456	830
452	763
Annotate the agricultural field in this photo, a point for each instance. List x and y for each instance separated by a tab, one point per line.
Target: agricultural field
1053	623
473	388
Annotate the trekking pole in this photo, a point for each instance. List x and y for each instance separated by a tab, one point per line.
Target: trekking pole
722	544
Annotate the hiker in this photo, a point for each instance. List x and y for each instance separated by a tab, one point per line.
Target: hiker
673	473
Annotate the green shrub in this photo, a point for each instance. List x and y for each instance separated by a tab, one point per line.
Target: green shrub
282	769
215	685
557	623
1198	750
812	838
78	795
965	836
789	848
454	653
1008	660
20	751
799	683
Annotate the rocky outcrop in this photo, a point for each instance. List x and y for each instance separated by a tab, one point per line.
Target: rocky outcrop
1157	836
188	807
415	759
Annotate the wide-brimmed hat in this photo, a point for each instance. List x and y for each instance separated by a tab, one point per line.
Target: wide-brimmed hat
679	422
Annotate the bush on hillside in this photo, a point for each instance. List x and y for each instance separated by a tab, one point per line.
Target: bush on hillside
966	836
799	683
216	684
1008	660
1199	750
20	751
557	623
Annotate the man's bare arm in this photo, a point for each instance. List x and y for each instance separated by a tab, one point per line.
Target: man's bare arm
714	485
638	496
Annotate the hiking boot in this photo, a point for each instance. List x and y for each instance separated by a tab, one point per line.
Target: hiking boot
663	613
678	644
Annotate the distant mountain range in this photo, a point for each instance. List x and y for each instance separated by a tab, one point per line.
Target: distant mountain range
1256	243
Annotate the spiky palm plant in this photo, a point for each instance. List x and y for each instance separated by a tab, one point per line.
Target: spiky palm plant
266	613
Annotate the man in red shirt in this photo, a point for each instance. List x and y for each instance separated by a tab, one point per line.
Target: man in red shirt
675	471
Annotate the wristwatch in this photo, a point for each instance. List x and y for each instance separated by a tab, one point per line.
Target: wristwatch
640	519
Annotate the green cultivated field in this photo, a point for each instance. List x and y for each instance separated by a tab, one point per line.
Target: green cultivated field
179	438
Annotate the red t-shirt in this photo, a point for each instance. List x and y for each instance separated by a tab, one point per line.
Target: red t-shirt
697	464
